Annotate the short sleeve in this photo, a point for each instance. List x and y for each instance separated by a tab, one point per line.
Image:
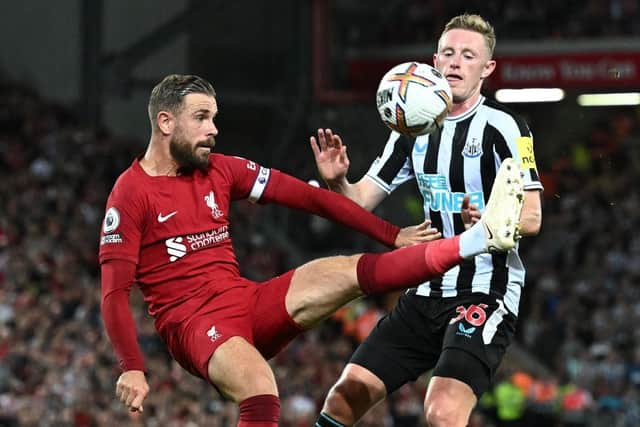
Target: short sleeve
121	231
519	140
246	178
393	167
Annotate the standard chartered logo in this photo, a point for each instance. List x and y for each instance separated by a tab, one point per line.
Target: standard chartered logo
208	238
437	196
175	248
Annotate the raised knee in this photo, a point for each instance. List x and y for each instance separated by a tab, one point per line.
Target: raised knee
440	413
350	398
338	402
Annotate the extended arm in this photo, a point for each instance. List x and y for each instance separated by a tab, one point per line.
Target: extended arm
333	163
364	192
289	191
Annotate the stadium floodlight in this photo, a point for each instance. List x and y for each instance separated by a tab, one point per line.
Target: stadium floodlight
530	95
608	99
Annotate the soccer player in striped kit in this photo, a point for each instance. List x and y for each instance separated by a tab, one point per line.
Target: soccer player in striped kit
461	323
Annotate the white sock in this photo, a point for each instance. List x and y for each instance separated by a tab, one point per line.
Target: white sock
473	241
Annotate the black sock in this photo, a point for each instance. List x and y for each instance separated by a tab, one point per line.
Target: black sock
325	420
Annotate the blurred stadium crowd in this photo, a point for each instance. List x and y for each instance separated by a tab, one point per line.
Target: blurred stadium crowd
58	368
519	19
578	316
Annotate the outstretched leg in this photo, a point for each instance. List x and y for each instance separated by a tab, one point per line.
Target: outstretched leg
320	287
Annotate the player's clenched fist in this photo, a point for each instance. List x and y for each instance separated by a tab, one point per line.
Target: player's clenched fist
131	389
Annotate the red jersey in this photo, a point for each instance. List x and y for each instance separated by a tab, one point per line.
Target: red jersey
175	230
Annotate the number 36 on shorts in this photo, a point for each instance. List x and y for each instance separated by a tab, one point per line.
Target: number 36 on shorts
476	316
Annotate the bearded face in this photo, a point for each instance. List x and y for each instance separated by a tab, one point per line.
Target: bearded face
188	155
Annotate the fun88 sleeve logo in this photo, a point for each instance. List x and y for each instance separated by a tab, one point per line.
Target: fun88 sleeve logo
438	197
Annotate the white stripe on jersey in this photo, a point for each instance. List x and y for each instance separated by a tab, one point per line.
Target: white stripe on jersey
259	184
462	158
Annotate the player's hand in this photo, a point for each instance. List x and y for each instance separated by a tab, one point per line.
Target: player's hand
415	234
331	156
131	389
469	212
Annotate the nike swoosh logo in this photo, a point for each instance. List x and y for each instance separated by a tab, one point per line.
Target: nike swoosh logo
490	233
166	217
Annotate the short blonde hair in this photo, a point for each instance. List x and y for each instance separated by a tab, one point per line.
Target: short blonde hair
475	23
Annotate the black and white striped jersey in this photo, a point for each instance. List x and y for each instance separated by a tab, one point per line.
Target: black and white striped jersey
463	158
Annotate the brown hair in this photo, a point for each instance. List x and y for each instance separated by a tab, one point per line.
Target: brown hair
170	92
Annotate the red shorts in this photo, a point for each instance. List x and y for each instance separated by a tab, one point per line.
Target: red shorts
254	311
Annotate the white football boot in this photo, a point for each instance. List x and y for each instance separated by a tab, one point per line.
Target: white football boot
501	217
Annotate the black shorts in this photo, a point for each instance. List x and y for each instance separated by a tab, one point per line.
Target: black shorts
462	337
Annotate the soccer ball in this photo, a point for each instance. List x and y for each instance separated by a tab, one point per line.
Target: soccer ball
413	99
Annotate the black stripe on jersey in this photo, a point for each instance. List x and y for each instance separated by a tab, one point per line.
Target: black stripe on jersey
431	166
465	276
499	143
522	125
492	139
487	167
456	168
500	273
401	152
456	179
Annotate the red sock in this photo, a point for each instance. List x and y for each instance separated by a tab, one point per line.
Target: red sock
260	411
407	267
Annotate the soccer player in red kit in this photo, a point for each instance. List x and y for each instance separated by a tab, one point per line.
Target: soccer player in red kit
167	229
